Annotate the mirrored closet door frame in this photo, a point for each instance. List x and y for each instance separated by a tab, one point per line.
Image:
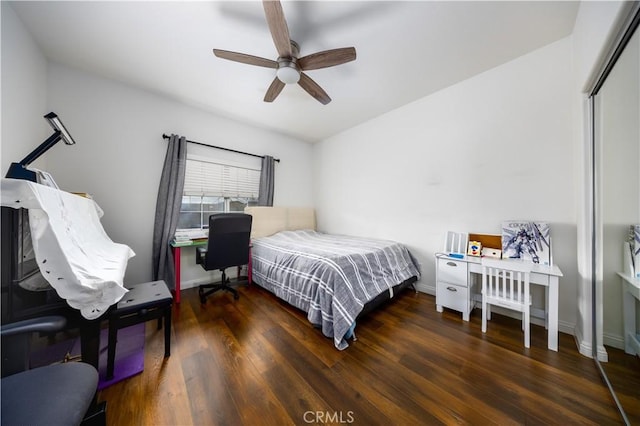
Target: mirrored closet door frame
627	29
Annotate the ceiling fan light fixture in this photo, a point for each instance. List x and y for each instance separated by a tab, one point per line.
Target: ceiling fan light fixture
287	72
290	69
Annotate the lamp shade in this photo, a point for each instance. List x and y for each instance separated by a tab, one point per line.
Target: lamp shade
287	73
19	170
56	124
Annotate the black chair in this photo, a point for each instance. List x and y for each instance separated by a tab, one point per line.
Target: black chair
143	302
57	394
228	245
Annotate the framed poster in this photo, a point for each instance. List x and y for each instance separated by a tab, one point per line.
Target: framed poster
526	240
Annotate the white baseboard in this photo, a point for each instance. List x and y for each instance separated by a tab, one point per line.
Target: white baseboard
613	340
602	354
583	347
191	283
586	348
425	288
207	278
537	314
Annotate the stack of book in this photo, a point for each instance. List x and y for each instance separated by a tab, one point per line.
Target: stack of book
185	237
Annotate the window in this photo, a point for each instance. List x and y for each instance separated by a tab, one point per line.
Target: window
211	187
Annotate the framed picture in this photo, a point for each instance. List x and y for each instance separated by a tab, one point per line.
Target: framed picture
526	240
475	248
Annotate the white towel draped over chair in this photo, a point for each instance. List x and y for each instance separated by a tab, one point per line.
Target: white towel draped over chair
74	253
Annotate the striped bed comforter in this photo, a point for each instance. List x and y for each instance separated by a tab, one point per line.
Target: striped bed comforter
330	277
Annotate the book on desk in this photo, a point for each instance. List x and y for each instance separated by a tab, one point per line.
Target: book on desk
189	237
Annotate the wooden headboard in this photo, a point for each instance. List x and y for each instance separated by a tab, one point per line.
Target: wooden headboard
269	220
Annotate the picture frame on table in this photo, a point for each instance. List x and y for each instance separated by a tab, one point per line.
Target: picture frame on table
527	240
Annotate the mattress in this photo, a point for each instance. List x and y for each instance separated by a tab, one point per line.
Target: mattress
330	277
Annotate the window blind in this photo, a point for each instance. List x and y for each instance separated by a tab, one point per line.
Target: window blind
204	178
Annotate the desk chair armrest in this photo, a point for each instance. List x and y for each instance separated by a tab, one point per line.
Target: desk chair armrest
43	324
16	339
201	255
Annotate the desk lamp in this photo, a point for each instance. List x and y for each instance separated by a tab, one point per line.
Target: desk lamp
19	170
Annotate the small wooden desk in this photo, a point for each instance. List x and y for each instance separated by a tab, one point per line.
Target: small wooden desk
545	275
631	293
177	250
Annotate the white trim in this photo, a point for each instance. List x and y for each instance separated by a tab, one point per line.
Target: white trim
223	162
621	23
537	317
210	277
613	340
426	288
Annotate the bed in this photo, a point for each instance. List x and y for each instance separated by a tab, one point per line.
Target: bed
334	279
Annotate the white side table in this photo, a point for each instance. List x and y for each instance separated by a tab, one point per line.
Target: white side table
630	293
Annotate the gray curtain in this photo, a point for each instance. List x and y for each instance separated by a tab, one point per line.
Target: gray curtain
265	197
168	209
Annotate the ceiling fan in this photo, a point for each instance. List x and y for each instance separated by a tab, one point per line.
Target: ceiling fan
289	68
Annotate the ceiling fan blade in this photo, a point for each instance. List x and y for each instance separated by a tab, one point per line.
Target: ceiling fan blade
278	27
245	59
327	58
274	90
312	88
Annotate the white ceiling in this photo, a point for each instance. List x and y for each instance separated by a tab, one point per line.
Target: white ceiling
405	51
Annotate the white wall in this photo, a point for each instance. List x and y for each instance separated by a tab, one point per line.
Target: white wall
120	151
119	154
24	87
497	146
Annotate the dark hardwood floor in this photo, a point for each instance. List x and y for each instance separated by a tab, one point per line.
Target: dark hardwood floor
623	371
257	361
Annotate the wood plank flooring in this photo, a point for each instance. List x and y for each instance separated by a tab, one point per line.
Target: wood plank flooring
257	361
623	371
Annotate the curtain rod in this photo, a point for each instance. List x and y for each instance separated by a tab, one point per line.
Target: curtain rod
165	136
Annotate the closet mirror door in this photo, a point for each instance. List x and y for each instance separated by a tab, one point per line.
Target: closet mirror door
617	151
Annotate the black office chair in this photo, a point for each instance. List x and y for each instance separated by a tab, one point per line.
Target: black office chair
57	394
228	245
